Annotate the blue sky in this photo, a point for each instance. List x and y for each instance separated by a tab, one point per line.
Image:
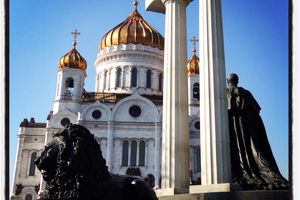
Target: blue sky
255	38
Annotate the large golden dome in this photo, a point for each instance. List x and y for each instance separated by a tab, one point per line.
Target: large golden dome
193	64
72	59
134	30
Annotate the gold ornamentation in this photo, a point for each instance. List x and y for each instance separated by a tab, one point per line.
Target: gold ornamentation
73	59
193	62
133	30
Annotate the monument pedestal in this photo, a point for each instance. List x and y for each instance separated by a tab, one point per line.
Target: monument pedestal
171	191
236	195
222	187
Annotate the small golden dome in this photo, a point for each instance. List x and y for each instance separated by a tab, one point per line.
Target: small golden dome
193	64
73	59
134	30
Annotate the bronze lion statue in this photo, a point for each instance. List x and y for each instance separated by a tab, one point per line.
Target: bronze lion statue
74	169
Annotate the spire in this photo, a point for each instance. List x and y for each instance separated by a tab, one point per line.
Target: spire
75	33
135	4
194	41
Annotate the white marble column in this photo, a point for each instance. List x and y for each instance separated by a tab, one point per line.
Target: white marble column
157	154
214	135
175	151
110	153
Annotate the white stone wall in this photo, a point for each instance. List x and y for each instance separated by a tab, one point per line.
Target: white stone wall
30	140
64	95
126	57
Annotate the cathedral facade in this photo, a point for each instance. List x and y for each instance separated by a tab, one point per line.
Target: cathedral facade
124	112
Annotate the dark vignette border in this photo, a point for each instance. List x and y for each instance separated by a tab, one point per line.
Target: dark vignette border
290	100
6	83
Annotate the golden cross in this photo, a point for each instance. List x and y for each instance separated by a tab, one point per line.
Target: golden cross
136	3
194	40
75	33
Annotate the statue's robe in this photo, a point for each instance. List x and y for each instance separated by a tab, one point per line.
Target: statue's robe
253	164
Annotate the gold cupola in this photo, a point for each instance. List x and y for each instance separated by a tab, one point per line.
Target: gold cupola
73	59
134	30
193	62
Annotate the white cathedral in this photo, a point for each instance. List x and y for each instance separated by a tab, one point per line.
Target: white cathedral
124	112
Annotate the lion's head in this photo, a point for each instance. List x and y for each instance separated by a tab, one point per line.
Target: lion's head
72	165
46	163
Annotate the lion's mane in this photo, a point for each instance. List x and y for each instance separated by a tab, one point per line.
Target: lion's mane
74	169
81	170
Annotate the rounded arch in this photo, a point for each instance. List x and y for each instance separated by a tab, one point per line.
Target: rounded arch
148	78
28	197
196	91
119	77
133	150
87	113
142	152
31	166
160	82
149	110
134	77
29	192
192	123
69	82
55	120
125	151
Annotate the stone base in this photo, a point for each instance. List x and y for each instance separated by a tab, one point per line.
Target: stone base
223	187
171	191
238	195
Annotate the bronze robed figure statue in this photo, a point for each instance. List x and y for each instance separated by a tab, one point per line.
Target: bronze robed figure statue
253	164
73	168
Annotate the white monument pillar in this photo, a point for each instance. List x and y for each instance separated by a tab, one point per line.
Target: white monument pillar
175	151
157	154
110	143
214	134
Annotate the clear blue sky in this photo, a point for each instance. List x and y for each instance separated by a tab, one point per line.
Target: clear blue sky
256	48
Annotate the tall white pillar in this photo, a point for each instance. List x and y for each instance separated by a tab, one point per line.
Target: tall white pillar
175	146
175	152
157	153
214	134
110	154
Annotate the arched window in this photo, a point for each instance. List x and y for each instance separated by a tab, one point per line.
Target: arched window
28	197
197	166
119	77
160	82
196	91
133	153
70	84
125	153
105	79
142	153
148	81
32	165
134	77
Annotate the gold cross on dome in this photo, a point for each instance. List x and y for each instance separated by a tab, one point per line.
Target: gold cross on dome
75	33
136	3
194	41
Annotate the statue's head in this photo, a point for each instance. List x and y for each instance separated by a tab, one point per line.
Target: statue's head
47	162
72	162
232	79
